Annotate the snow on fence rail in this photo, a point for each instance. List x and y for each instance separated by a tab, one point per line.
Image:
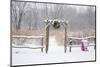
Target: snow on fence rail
16	36
29	37
78	38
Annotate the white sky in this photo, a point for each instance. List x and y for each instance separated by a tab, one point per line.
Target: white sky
81	9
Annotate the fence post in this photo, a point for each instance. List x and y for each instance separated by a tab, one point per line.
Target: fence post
42	45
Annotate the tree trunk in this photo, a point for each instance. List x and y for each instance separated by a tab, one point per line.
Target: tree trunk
19	22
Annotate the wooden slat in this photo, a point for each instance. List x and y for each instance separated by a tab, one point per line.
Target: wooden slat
79	45
29	47
16	36
81	38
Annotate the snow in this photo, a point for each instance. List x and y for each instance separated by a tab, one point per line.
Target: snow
55	54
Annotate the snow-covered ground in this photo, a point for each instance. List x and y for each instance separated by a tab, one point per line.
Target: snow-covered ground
24	56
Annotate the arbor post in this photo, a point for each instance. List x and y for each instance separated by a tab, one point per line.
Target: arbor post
47	37
65	42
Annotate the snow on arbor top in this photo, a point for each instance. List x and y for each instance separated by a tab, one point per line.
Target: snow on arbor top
52	21
61	21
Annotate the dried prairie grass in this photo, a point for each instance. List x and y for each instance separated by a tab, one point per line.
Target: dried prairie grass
28	33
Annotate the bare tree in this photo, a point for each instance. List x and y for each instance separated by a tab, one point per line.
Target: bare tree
21	13
18	12
14	15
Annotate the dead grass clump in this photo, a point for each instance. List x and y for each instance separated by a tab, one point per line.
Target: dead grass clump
28	33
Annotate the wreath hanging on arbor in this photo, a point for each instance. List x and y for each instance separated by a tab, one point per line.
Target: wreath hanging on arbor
56	24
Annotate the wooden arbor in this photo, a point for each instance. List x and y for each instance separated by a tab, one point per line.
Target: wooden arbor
51	22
